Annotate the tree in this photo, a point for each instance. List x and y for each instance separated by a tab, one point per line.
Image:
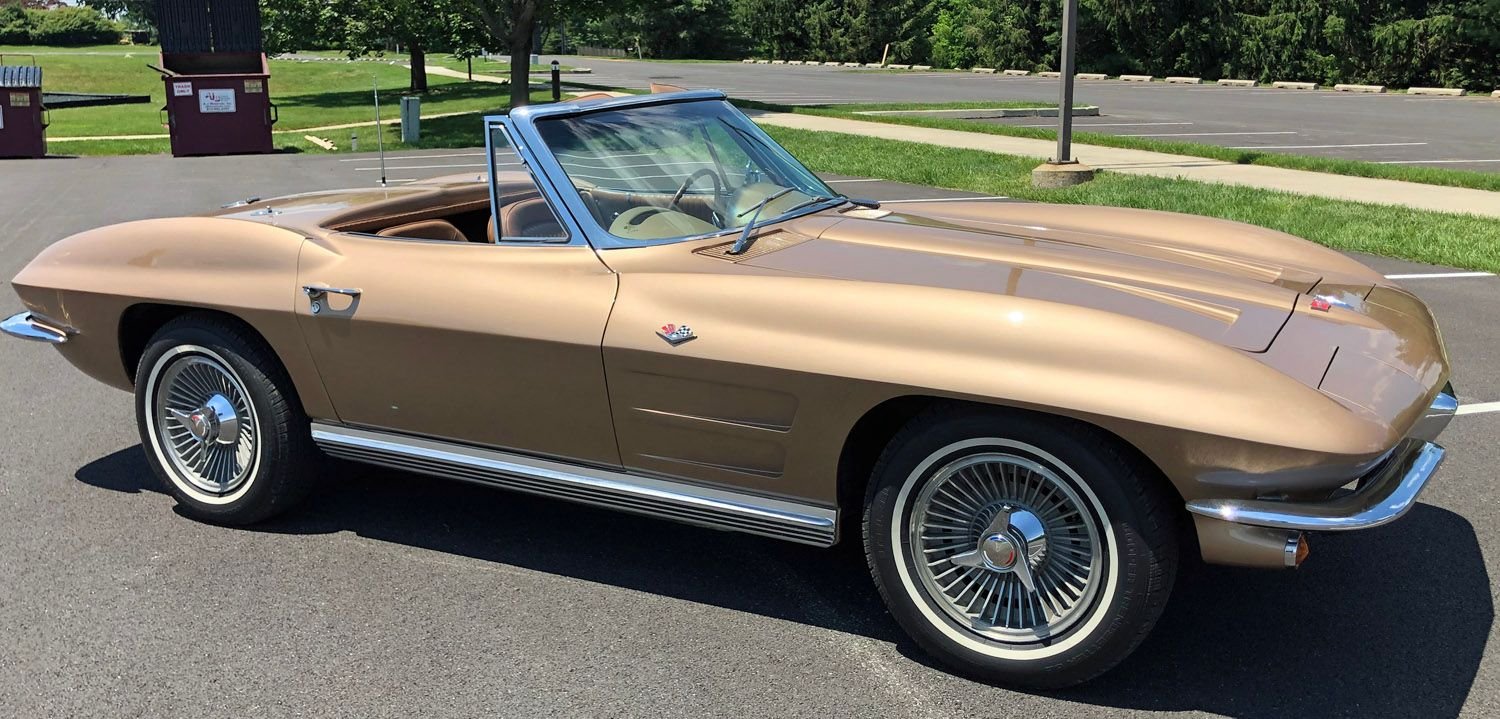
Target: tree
514	24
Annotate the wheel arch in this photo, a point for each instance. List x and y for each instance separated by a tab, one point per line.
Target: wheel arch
869	436
141	321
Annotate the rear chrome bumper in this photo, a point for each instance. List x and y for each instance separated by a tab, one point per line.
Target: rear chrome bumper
28	326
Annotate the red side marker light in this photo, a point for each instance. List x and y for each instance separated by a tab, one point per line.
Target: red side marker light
1321	305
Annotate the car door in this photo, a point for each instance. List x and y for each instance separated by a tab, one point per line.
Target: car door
494	344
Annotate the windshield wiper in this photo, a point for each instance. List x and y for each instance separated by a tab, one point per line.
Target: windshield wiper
744	240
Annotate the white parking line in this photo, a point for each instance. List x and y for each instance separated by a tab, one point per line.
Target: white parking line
947	199
1431	162
1207	134
419	157
1438	275
1111	124
1323	147
429	167
1479	408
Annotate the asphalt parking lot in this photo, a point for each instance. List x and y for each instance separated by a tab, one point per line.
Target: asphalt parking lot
1457	133
397	595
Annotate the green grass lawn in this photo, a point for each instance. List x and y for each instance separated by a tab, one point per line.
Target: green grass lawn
1434	237
1357	168
307	94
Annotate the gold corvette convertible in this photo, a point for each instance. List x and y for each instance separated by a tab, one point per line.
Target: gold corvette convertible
1024	412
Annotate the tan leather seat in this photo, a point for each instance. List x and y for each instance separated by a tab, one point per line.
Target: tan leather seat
426	230
526	218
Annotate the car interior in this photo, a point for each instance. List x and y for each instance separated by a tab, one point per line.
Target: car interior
460	212
457	212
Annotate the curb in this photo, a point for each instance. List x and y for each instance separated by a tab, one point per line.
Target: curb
1091	76
1450	91
1185	80
1136	78
1377	89
1017	73
1287	85
987	113
1238	83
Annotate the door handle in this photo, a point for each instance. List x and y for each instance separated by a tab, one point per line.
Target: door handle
315	294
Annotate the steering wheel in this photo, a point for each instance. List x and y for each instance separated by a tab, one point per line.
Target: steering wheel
704	172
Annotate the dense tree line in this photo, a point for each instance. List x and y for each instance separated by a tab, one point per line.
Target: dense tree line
54	24
1396	42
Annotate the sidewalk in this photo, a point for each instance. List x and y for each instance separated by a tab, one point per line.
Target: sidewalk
1141	162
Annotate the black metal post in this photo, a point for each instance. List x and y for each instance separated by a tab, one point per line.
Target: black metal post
1065	93
556	82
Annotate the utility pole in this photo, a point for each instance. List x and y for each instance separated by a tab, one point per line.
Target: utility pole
1062	170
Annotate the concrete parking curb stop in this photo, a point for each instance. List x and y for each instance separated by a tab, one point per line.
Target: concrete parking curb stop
983	70
1017	73
1238	83
1185	80
1360	88
1495	94
921	67
778	62
1136	78
1451	91
1049	73
898	67
1288	85
1091	76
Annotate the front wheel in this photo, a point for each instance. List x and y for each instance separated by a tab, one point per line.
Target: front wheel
219	422
1019	548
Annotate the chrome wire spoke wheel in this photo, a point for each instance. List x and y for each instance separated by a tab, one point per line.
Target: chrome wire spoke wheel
204	422
1006	547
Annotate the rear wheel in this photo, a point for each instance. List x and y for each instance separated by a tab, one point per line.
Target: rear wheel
219	422
1017	547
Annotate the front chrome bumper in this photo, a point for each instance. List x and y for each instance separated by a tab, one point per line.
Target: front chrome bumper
29	326
1382	496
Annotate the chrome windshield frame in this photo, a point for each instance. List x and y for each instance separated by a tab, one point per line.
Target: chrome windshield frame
521	124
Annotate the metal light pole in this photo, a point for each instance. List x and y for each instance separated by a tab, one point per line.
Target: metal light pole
1062	170
1065	92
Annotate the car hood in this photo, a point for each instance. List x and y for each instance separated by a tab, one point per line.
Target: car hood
1231	283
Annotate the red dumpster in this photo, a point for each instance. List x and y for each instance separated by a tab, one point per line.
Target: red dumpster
218	103
23	129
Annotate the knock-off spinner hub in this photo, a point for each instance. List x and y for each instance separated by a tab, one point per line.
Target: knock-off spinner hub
215	421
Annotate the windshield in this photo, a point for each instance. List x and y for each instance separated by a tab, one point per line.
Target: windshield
680	170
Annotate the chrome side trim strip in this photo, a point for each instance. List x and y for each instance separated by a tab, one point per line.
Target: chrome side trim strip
1384	497
680	501
28	326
